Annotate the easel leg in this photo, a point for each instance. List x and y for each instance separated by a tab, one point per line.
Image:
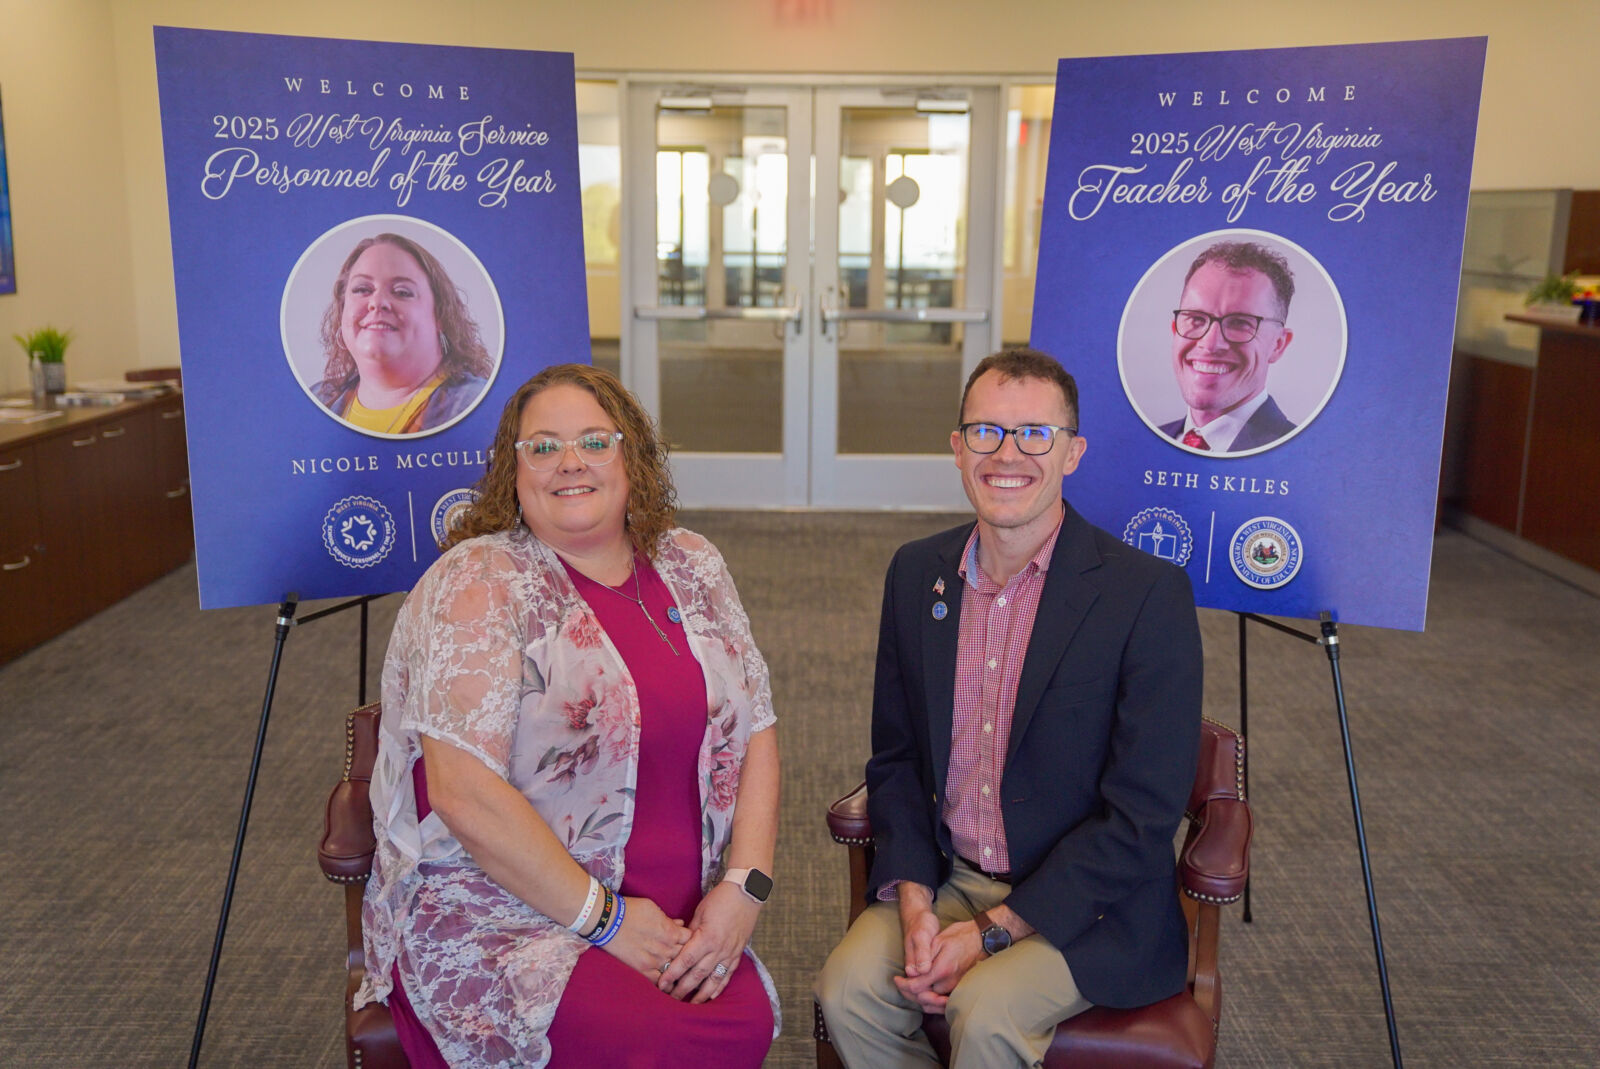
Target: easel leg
361	671
1244	732
285	621
1330	643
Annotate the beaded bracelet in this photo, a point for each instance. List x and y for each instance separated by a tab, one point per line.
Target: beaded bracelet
614	927
581	924
608	905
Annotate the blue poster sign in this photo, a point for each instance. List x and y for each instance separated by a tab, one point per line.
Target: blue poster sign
374	245
1250	261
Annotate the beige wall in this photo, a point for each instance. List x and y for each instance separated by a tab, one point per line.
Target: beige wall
84	138
68	199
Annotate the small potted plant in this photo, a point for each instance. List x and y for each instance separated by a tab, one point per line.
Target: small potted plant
49	346
1553	298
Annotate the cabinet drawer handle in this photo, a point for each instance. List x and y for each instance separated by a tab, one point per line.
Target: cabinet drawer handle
16	565
115	432
78	442
175	413
179	492
13	466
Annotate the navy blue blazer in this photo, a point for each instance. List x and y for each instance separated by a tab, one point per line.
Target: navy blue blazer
1101	756
1265	427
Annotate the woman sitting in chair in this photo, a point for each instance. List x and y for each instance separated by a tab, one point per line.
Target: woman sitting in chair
576	726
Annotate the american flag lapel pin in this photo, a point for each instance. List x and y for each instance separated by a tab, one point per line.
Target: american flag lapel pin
938	586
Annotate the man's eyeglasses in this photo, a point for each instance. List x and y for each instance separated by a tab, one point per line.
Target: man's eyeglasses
1237	327
1034	439
595	449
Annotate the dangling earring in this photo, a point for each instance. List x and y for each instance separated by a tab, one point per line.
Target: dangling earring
444	344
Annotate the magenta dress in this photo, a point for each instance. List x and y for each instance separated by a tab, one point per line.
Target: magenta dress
609	1014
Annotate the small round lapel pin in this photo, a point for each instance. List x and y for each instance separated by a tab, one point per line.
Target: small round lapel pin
940	610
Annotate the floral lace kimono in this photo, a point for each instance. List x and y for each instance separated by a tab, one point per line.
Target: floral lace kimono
496	653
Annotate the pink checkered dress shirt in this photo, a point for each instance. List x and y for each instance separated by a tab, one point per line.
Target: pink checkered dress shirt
996	622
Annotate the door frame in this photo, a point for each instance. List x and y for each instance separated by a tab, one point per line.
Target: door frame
795	478
720	480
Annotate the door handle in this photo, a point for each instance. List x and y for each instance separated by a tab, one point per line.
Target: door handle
698	313
905	315
16	566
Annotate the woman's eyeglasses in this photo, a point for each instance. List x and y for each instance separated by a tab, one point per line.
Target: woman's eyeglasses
594	449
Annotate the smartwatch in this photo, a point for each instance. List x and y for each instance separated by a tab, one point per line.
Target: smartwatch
995	938
753	882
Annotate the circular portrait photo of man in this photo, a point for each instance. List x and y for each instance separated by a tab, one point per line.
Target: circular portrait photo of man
392	326
1232	343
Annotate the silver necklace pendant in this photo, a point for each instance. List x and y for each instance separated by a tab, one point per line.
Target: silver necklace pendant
638	599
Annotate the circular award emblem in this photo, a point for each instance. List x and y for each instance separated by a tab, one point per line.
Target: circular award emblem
1160	533
447	512
1265	552
358	531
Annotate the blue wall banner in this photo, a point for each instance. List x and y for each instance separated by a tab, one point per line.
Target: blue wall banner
374	245
1250	261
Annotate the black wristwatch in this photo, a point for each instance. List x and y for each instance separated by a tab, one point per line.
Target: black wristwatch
753	882
995	938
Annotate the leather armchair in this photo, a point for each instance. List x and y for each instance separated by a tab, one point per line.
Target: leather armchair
345	853
1177	1033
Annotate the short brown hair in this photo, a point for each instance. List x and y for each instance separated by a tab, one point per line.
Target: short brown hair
652	500
1021	363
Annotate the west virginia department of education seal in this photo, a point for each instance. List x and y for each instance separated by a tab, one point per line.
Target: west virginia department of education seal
358	532
447	512
1265	552
1160	533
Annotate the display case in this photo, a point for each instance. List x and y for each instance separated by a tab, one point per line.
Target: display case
1522	442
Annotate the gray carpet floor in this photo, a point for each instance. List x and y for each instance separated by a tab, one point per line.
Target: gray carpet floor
124	746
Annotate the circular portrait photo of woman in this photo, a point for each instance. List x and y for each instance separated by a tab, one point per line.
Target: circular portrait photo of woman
392	326
1232	343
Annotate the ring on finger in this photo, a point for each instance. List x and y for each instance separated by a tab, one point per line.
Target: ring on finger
664	966
720	971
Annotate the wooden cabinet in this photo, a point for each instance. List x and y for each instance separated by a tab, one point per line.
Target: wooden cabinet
24	604
93	506
176	517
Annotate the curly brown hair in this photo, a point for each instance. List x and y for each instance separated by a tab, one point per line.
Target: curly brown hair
652	499
464	352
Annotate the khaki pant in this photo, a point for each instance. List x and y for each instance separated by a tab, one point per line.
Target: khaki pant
1002	1013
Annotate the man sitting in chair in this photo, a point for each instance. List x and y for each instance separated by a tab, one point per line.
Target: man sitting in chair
1035	725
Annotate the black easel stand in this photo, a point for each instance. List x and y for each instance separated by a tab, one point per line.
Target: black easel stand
1329	641
286	620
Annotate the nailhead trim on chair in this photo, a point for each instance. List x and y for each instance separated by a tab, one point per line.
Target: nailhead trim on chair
349	745
1213	899
345	879
819	1030
1238	759
852	840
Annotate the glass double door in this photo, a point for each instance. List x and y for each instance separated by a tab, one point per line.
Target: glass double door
811	276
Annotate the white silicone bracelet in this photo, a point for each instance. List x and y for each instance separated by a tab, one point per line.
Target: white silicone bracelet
582	922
